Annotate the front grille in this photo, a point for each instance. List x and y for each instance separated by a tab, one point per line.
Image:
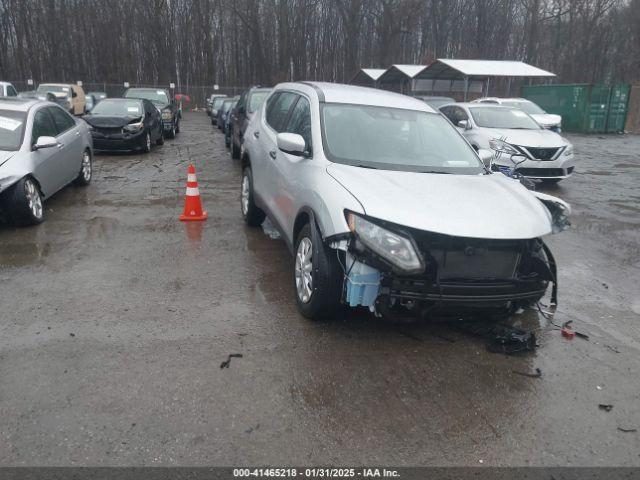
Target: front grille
542	172
541	153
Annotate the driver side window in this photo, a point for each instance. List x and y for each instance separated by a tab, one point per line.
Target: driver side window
43	126
300	121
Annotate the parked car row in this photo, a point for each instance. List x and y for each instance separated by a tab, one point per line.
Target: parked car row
385	204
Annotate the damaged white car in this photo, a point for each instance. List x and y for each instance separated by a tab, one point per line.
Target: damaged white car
385	205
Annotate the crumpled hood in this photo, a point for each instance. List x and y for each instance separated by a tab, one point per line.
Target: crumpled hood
477	206
547	119
527	138
5	156
100	121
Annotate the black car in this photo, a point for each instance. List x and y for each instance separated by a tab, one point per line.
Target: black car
125	124
223	112
215	105
249	103
164	103
228	123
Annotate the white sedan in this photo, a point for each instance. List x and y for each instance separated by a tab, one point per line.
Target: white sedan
519	142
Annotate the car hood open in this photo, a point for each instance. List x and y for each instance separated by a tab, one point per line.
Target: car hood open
527	138
476	206
100	121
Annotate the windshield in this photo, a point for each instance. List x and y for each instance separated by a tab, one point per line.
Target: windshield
156	96
118	108
528	107
53	88
395	139
217	102
501	117
11	129
256	99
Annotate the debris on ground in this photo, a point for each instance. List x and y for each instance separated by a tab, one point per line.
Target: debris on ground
251	429
628	430
72	334
613	349
537	374
226	363
502	338
605	406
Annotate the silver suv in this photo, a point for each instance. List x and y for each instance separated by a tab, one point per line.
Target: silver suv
385	205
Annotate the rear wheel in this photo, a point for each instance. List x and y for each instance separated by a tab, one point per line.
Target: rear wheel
86	169
25	203
253	216
235	150
317	277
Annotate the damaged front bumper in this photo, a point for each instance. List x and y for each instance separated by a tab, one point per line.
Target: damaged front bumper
460	274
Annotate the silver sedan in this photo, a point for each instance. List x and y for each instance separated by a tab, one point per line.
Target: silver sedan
42	149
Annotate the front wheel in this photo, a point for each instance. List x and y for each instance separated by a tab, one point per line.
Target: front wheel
172	132
317	276
253	216
86	169
25	203
160	140
235	150
178	126
147	143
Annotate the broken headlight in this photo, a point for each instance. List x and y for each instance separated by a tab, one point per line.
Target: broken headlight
167	114
500	145
134	127
393	247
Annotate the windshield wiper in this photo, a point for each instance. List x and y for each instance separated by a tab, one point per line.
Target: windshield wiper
434	171
361	165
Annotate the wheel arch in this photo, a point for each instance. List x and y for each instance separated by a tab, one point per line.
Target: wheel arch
306	215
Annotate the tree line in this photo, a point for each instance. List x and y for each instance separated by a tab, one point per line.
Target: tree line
245	42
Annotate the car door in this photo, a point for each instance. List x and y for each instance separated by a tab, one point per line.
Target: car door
70	142
287	167
238	123
152	118
48	163
277	116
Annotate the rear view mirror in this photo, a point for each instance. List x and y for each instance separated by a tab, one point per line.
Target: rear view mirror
464	124
45	142
486	156
291	143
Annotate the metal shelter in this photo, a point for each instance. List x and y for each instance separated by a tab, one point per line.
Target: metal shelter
367	77
460	74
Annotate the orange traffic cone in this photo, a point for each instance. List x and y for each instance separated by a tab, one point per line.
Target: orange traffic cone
192	205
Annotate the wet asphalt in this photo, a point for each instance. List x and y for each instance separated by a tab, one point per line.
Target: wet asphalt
115	318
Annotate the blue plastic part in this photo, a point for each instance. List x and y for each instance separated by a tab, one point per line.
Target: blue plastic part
363	283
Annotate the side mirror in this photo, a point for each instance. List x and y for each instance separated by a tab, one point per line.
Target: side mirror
241	111
45	142
486	156
464	124
291	143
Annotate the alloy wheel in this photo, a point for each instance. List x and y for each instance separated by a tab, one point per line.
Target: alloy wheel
304	269
86	166
246	191
33	198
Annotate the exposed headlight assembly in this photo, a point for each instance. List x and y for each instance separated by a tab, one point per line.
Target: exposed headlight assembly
568	151
167	114
134	127
393	247
501	146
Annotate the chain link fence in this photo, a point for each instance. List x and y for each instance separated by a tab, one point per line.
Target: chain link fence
197	93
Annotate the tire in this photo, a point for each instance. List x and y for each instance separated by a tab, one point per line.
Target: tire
147	143
317	278
160	140
86	170
177	127
24	203
253	216
172	132
235	150
227	142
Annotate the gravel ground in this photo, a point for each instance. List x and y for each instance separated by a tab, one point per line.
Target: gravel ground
115	318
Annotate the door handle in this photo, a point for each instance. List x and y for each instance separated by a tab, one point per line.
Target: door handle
256	134
61	145
77	134
272	154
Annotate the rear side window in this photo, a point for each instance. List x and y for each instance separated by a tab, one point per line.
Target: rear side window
11	92
62	120
278	110
43	125
300	121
